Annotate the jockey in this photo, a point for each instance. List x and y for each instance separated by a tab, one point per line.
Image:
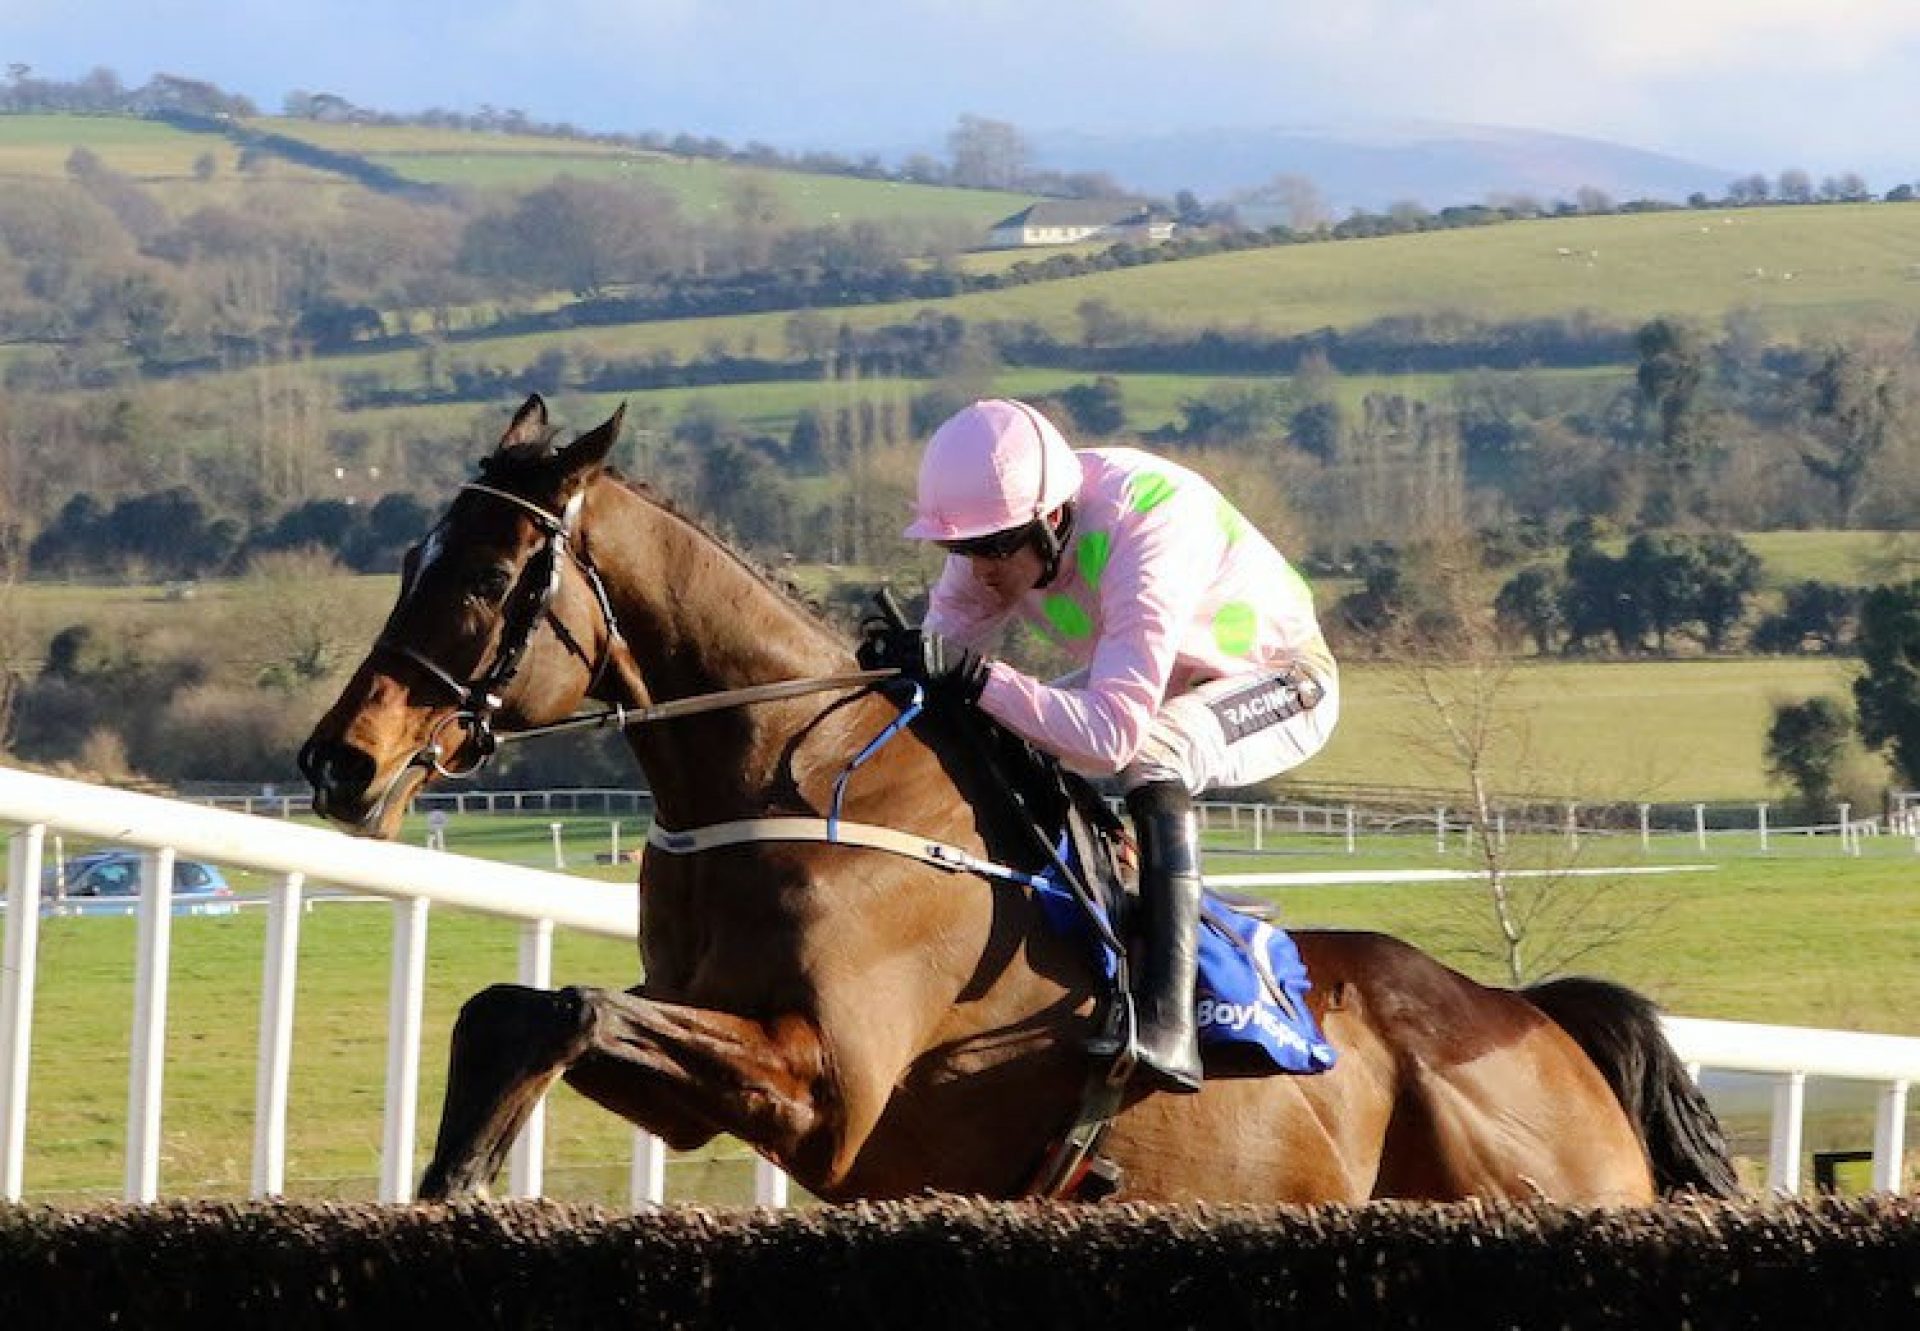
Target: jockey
1203	663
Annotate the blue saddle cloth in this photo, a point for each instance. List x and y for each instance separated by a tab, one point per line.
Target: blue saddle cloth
1252	988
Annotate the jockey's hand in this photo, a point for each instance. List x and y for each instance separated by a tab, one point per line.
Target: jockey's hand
946	668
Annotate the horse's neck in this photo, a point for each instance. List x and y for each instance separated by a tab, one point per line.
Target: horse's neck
698	621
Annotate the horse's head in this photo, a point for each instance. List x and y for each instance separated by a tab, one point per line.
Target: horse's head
497	585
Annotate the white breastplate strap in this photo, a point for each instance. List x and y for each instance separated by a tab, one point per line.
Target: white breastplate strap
833	833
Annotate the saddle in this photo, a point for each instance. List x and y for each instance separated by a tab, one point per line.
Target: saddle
1252	983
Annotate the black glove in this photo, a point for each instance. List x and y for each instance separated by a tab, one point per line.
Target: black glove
947	669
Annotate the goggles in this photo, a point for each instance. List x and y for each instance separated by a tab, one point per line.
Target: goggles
994	545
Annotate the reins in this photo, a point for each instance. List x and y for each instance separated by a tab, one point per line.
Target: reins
620	717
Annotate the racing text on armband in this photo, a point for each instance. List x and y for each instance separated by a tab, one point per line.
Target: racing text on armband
1266	702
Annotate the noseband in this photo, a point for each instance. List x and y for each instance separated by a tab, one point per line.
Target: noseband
528	602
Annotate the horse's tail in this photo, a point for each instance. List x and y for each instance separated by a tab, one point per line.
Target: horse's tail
1620	1031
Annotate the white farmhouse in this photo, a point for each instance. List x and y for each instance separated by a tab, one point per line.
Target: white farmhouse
1071	221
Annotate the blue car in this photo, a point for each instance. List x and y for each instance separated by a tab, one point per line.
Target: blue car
116	873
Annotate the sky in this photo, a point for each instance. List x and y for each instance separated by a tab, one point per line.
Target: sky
1746	85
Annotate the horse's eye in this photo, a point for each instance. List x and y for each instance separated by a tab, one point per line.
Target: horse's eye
490	584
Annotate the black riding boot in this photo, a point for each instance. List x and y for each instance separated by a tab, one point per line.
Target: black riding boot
1169	1044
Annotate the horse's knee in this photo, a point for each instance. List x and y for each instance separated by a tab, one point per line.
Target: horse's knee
514	1014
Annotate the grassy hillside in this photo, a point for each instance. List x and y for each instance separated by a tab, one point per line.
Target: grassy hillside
1797	271
161	158
37	147
1801	269
486	161
1804	271
1851	558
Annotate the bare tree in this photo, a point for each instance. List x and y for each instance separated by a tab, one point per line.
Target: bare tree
987	154
13	561
1450	660
1297	199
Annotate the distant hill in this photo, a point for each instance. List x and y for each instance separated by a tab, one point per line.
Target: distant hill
164	156
1377	166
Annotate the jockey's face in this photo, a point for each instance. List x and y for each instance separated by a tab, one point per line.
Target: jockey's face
1010	576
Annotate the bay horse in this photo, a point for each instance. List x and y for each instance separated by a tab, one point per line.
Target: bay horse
876	1025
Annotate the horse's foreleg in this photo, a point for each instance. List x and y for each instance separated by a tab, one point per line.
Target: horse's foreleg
682	1072
653	1063
509	1045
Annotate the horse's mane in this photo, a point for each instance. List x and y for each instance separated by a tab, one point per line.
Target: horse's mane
524	462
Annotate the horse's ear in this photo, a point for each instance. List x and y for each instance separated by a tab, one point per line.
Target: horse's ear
529	426
589	451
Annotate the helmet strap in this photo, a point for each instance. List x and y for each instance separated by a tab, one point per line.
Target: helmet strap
1052	542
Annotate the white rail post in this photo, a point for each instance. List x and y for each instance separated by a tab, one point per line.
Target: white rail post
1352	847
280	968
559	851
1762	810
152	954
1500	830
526	1168
647	1183
1646	827
1440	830
613	842
769	1183
16	1001
1700	826
1845	827
1573	826
1789	1117
406	996
1889	1137
1259	831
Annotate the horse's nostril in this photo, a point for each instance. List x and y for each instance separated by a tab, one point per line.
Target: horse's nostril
333	768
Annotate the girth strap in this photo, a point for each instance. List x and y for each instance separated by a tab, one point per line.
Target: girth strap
833	832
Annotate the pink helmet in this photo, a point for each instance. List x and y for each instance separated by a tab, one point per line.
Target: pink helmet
994	465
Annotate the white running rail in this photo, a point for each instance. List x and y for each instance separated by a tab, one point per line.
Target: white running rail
1788	1058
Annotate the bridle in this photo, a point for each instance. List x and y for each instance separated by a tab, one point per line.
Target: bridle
528	601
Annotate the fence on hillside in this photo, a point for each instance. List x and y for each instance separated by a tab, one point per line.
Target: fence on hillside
1788	1059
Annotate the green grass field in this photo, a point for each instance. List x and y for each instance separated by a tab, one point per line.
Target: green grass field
1851	558
1625	731
161	158
37	147
1801	936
